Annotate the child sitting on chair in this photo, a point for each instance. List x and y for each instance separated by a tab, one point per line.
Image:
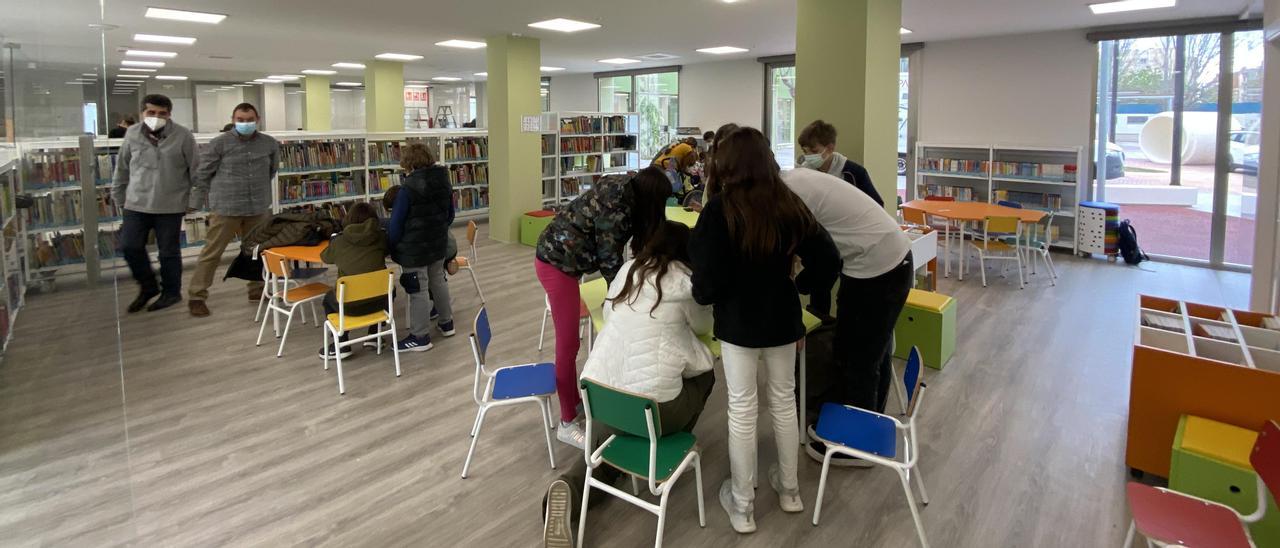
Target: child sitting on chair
649	346
359	249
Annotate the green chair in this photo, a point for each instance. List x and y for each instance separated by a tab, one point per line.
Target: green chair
635	449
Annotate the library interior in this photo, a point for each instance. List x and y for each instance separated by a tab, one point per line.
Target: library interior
812	273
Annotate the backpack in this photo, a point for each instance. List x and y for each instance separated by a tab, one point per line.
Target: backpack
1128	242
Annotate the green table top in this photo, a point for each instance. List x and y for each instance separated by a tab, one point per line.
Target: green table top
678	214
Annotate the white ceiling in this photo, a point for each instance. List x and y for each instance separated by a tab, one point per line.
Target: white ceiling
264	37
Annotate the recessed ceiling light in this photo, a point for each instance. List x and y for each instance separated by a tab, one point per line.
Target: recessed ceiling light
284	77
170	77
241	85
94	74
466	44
721	50
132	63
131	69
347	65
267	81
482	74
551	69
317	72
1130	5
148	53
417	86
446	78
161	39
85	79
904	30
348	84
544	84
564	25
415	81
140	76
619	61
397	57
79	83
181	15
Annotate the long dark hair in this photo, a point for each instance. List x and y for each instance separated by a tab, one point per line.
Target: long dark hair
670	243
763	215
650	189
709	164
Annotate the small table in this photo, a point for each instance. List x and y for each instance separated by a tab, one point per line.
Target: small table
679	215
972	212
302	253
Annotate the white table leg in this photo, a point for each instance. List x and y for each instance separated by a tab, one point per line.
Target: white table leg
804	396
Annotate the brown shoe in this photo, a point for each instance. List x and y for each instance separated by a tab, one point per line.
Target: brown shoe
198	308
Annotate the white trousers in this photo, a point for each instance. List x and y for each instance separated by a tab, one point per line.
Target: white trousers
740	365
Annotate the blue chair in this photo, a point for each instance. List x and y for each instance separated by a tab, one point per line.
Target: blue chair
1007	203
873	438
510	385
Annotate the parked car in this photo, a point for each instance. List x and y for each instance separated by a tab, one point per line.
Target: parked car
1244	152
1115	161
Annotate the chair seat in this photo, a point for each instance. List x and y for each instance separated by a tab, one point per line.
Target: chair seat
462	262
306	292
1173	518
356	322
857	429
519	381
631	454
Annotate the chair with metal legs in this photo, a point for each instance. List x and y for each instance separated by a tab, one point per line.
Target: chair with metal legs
468	263
284	300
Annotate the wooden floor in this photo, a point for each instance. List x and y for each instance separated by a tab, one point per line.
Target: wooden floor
159	429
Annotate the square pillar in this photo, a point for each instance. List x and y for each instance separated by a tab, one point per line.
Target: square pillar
383	96
317	110
273	107
847	55
515	165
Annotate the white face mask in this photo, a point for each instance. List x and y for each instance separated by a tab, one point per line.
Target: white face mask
156	123
812	161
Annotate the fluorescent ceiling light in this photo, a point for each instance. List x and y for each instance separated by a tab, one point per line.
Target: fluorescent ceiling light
93	74
563	25
416	86
348	84
904	30
1130	5
143	76
551	69
267	81
415	81
131	69
161	39
79	83
465	44
618	61
170	77
284	77
347	65
342	90
544	84
721	50
317	72
482	74
148	53
132	63
188	16
446	79
241	85
397	57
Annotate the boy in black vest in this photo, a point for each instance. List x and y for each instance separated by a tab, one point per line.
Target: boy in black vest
419	238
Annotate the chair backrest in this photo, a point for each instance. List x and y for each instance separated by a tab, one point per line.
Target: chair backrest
364	286
1265	457
481	332
940	198
277	265
1007	203
913	379
471	232
619	410
913	216
1002	224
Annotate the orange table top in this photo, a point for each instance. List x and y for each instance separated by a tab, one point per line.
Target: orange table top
304	253
973	211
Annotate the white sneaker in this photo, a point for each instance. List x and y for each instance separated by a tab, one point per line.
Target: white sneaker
572	433
788	499
557	531
742	520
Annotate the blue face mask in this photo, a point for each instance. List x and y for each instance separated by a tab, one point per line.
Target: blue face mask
811	161
246	128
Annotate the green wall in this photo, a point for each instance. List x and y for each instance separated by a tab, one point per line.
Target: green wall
515	164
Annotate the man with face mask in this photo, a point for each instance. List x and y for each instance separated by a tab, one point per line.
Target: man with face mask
818	141
152	183
236	169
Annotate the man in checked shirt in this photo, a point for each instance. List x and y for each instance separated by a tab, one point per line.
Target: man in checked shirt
235	174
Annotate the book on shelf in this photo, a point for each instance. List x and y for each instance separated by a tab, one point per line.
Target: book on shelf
548	145
317	155
61	168
461	149
955	165
296	189
593	124
470	198
383	181
1037	200
960	193
384	153
580	145
1058	172
548	167
614	143
581	164
469	174
64	209
58	249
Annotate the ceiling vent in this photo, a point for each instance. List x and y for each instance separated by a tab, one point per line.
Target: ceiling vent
658	57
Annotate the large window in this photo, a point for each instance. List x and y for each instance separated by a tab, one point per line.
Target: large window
654	95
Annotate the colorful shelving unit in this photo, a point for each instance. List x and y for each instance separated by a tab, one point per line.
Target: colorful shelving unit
580	147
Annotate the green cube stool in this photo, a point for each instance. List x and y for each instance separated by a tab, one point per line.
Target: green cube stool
532	225
928	321
1211	460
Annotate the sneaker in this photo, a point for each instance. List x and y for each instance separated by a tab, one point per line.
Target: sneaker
435	314
140	302
788	499
446	329
817	451
415	344
742	520
198	308
344	354
557	531
572	433
165	301
371	343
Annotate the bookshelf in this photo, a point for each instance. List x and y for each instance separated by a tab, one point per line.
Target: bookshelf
464	153
13	262
580	147
1044	178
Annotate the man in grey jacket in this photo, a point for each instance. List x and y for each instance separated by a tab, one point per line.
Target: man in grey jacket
152	183
234	177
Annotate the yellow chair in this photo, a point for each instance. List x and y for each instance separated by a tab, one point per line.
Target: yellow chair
358	288
992	248
469	263
594	293
282	299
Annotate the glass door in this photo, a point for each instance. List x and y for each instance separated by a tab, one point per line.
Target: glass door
781	116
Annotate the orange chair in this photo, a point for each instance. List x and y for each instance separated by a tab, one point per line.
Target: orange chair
469	263
281	299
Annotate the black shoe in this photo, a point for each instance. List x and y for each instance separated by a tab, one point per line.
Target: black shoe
826	317
165	301
345	353
141	302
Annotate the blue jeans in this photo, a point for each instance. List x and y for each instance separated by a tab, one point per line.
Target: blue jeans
133	245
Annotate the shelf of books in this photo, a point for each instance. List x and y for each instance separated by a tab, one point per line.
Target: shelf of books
465	153
13	263
1043	178
580	147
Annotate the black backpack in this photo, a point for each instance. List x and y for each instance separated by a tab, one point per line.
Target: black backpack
1128	242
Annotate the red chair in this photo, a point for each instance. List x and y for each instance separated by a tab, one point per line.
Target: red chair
1167	517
